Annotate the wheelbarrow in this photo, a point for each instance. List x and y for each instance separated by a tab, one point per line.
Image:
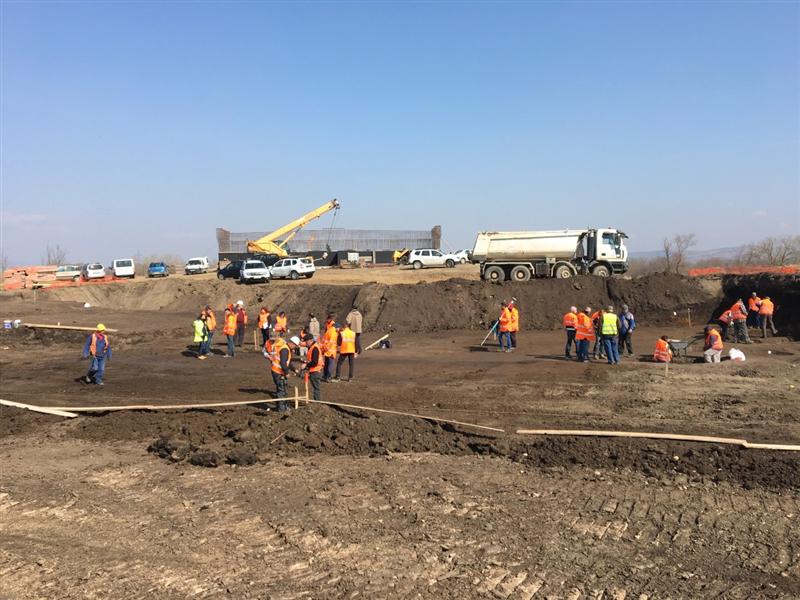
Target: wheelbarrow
680	347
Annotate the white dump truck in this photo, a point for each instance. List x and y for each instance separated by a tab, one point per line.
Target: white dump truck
522	255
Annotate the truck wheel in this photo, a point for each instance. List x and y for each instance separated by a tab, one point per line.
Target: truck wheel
463	261
562	272
601	271
449	263
520	273
294	275
494	274
417	265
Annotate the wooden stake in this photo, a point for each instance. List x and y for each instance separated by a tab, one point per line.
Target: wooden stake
40	409
689	312
376	342
296	398
255	341
69	327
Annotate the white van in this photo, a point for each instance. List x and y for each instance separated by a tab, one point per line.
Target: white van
123	267
196	265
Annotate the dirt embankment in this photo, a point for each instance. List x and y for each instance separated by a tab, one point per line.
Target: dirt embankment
783	290
436	306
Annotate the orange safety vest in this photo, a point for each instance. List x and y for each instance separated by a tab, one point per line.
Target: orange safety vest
767	307
584	328
275	356
329	342
596	318
505	320
738	312
263	319
93	344
570	320
514	319
230	324
348	345
725	317
662	353
211	320
316	368
714	340
281	324
752	303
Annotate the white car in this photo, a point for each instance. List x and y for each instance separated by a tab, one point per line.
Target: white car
463	256
429	257
252	271
293	268
93	271
123	268
196	265
72	272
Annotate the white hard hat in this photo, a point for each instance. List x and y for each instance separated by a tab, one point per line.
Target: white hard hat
295	340
240	302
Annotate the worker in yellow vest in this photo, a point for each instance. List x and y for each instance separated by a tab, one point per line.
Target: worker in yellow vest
609	330
347	351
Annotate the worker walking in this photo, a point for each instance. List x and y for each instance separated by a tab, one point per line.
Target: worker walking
279	353
712	350
229	329
662	353
313	327
739	317
584	334
314	365
211	326
356	321
570	322
753	304
765	314
347	351
264	324
609	329
330	343
504	327
514	322
200	334
627	324
98	348
241	322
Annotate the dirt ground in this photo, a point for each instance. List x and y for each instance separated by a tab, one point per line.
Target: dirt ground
340	503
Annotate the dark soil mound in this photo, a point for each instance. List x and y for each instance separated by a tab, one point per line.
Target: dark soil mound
783	290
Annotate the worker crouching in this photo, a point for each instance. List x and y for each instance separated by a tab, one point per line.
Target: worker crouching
98	348
662	353
712	351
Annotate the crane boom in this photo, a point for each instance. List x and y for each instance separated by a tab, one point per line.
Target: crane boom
270	244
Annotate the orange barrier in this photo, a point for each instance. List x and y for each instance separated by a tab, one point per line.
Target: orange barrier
44	277
745	270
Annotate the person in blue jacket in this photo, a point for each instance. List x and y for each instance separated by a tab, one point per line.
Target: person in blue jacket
98	347
627	326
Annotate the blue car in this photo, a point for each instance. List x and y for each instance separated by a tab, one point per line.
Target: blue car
157	269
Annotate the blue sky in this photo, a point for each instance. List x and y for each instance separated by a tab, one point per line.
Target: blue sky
140	127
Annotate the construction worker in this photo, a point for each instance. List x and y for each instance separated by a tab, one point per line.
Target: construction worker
627	324
739	317
584	334
662	353
313	326
512	306
241	322
609	328
712	350
598	350
724	321
570	322
211	326
263	324
314	365
355	321
753	304
346	341
279	352
200	334
330	343
504	327
281	323
98	348
229	329
765	314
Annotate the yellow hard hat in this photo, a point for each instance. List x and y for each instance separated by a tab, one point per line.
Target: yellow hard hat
101	327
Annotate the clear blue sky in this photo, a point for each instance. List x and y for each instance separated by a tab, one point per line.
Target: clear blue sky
142	126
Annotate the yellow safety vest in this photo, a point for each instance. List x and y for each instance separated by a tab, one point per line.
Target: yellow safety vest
609	324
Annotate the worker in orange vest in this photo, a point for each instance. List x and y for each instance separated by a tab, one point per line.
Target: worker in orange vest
279	353
765	313
724	321
314	364
598	350
211	326
229	329
512	306
264	324
504	324
739	317
570	322
712	351
98	349
241	322
329	348
281	323
584	334
662	353
347	351
753	304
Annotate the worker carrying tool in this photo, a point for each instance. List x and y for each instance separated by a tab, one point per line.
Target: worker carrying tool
712	351
313	365
98	348
765	313
584	334
662	353
279	352
570	322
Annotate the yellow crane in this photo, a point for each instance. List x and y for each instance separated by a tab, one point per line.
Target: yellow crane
273	243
